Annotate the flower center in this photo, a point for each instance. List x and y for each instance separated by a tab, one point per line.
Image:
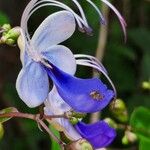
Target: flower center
96	95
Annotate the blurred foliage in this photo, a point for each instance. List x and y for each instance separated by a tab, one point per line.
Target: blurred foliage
3	18
127	64
140	122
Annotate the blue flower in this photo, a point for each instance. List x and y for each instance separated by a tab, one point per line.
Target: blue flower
33	82
99	134
43	59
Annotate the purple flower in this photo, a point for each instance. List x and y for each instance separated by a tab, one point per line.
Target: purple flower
99	134
42	58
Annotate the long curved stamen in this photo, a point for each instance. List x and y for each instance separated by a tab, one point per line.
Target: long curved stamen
88	30
103	21
53	4
121	19
61	5
89	57
92	63
81	11
83	63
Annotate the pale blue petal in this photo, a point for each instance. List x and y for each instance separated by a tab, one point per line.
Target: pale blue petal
55	29
33	85
55	105
25	59
61	57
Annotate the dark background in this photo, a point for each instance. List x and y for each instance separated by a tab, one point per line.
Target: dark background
127	63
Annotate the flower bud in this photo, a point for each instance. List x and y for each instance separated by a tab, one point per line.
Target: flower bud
10	42
129	137
81	144
73	120
119	110
1	131
125	140
11	36
111	122
6	27
146	85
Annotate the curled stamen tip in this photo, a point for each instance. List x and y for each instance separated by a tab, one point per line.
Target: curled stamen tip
103	21
89	31
81	30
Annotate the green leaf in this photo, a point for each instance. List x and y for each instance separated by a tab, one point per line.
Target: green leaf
5	111
140	122
144	144
54	144
4	18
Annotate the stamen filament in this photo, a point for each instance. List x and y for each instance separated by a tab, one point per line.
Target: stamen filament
79	56
100	70
81	11
122	21
103	21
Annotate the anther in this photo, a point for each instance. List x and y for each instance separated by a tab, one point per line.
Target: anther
96	95
89	31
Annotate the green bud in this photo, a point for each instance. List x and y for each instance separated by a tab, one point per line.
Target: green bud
132	137
11	36
125	140
119	110
73	120
86	146
1	131
146	85
111	122
78	115
71	114
6	27
129	137
10	42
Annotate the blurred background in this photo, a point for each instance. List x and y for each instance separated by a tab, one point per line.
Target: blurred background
128	63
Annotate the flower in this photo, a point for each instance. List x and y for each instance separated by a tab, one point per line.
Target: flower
42	58
99	134
32	82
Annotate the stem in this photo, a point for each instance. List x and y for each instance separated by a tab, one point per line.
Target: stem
39	120
51	133
19	115
100	51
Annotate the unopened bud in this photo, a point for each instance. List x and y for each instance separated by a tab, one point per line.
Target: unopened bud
1	131
146	85
125	140
119	110
111	122
6	27
70	114
78	115
10	42
11	36
73	120
129	137
81	144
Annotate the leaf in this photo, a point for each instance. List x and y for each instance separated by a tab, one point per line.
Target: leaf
54	144
144	144
4	19
140	122
5	111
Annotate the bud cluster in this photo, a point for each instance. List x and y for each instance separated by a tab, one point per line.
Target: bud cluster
9	35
